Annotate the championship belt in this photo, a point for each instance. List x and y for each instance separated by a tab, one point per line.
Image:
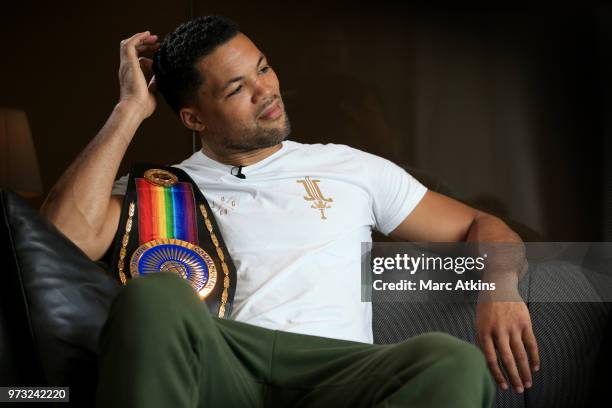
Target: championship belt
167	226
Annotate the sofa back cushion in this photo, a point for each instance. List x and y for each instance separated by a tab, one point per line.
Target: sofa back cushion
55	301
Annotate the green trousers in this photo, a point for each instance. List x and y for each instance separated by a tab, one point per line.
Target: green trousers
160	347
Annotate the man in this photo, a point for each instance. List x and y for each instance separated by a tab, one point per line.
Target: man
299	334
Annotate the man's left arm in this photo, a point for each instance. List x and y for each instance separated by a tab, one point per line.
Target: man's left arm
503	328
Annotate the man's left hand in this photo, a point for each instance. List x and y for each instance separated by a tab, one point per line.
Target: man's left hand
504	330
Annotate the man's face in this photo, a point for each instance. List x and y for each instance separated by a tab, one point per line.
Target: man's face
239	101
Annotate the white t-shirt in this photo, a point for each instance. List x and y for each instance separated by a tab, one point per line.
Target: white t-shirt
294	229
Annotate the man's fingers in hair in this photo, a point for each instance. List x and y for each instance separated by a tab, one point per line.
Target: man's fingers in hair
148	47
128	46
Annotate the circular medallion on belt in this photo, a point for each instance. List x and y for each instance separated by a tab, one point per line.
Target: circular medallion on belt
188	261
161	177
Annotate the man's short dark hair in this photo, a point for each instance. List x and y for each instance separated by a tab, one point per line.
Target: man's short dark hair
174	64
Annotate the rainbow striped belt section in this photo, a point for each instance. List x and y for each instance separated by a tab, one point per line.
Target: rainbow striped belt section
166	212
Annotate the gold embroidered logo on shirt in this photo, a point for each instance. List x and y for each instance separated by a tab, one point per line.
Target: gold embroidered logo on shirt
320	203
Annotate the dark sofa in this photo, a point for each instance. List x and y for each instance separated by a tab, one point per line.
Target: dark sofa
54	300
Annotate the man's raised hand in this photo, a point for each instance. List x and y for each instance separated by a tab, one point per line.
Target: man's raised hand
136	80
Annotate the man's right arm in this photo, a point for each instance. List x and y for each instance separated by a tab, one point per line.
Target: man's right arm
80	204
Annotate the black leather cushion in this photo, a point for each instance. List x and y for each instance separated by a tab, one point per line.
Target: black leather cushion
55	301
9	366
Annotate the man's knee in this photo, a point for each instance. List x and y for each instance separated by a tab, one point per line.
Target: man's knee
461	362
454	356
455	367
158	298
440	345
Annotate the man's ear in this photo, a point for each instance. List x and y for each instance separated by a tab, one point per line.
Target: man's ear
192	120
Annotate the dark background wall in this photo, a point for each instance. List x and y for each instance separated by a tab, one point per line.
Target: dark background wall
509	107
